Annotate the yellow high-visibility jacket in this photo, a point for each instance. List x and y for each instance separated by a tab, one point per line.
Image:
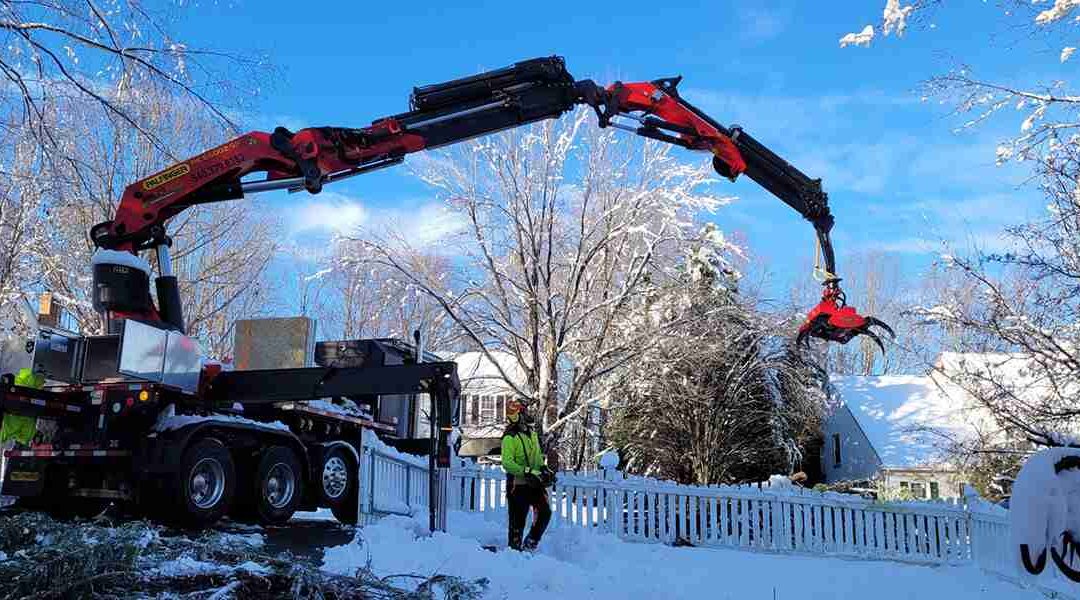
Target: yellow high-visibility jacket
521	453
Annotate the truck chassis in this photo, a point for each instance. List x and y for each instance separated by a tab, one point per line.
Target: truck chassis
242	443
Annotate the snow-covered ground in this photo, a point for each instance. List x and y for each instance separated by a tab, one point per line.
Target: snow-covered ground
573	563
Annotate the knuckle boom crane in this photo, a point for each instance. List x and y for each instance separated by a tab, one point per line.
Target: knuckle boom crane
137	416
443	114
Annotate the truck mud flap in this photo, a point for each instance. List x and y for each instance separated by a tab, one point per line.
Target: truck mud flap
24	477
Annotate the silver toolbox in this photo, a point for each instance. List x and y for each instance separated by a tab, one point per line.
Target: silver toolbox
153	354
141	352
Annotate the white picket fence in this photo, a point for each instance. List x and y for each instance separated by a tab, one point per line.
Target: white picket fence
747	517
793	521
391	482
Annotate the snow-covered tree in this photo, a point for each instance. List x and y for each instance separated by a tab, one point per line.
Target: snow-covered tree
566	231
98	96
721	398
101	51
1023	303
220	251
353	296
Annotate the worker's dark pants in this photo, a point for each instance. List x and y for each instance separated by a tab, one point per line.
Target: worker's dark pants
520	499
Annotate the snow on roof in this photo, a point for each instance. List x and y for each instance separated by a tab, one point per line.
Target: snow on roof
910	420
478	370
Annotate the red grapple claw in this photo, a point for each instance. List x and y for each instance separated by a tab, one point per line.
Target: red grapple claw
834	321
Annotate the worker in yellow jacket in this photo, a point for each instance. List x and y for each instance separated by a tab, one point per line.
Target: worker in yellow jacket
527	478
16	427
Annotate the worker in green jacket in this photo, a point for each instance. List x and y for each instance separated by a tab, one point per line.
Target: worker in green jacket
527	478
16	427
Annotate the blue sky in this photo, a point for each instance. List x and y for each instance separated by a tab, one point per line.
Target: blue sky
899	178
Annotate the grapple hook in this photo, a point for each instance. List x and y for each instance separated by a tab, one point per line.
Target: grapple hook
833	320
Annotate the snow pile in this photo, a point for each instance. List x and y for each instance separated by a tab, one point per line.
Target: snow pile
169	420
322	514
577	563
371	440
779	483
348	408
1044	504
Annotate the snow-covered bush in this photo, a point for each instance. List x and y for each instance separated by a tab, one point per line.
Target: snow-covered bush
721	398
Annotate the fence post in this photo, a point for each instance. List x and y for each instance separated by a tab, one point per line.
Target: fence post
365	482
969	521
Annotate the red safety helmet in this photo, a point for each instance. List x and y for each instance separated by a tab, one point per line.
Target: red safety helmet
514	408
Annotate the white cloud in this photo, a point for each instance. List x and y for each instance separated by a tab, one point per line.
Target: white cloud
327	212
425	223
424	226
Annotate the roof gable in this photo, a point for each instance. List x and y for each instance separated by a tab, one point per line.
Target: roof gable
476	369
909	420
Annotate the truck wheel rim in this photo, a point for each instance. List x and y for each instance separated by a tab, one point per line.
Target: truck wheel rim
207	483
279	485
335	477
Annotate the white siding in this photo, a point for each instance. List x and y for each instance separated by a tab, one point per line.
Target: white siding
948	483
858	460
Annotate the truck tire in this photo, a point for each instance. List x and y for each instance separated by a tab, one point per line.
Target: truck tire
278	485
204	485
338	485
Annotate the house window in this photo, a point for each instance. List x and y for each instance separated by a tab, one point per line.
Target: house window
500	409
474	409
935	492
918	489
836	449
487	409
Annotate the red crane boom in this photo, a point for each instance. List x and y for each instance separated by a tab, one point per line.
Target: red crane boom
442	114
